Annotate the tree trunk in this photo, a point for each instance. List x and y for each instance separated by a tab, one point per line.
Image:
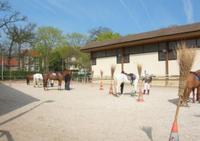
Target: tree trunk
10	55
19	56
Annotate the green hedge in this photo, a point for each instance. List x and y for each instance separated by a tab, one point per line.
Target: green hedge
15	75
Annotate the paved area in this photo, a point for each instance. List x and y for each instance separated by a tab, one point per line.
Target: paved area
87	114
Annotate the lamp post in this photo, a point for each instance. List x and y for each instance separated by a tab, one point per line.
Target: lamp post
2	62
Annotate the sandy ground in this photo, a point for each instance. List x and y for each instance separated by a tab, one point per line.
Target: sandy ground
87	114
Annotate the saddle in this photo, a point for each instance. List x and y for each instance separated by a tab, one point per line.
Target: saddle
197	76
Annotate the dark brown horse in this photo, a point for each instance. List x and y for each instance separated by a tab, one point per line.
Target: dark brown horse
29	77
192	83
54	76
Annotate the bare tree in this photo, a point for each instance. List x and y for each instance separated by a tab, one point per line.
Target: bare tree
24	35
8	16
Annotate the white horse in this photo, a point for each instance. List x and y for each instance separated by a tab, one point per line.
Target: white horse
37	79
125	78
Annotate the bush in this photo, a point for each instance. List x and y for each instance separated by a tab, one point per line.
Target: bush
15	75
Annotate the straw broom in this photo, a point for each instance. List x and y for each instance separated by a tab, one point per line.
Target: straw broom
111	83
185	59
101	80
139	68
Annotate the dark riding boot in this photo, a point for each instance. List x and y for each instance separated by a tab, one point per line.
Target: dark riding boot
148	92
122	88
144	91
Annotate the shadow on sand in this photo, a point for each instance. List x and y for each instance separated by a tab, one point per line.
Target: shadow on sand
173	101
21	114
12	99
148	131
6	134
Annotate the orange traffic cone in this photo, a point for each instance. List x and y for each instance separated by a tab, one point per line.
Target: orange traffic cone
101	85
174	132
111	89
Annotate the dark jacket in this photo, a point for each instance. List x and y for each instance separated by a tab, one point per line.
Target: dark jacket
67	77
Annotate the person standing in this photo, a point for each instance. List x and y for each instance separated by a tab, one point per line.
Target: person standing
147	80
67	81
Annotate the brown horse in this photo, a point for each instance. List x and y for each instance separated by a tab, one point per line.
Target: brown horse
192	83
54	76
29	77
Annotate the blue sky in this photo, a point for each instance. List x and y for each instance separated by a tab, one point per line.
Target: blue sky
122	16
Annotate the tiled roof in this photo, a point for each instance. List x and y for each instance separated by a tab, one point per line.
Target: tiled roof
164	32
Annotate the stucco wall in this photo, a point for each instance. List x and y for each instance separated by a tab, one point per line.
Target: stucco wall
103	64
149	62
196	65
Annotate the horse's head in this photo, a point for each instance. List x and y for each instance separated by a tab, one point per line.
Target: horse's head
131	77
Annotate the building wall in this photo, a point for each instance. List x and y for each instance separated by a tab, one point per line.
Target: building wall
103	64
196	65
149	62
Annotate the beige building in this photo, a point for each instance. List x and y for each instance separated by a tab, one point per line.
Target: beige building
155	51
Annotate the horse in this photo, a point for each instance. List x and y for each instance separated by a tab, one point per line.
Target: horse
192	83
37	79
54	76
122	78
29	77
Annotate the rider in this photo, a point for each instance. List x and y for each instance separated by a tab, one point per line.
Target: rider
67	78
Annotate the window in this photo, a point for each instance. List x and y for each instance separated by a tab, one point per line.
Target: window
119	57
138	49
169	49
150	48
100	54
93	61
110	53
198	43
126	59
190	43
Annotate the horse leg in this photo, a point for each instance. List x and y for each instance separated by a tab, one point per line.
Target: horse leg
185	96
198	94
45	84
193	95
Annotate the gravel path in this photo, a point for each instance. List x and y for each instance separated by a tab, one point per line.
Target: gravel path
87	114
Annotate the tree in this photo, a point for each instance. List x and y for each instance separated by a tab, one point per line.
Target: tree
83	60
24	35
47	39
107	36
94	33
102	34
76	39
8	16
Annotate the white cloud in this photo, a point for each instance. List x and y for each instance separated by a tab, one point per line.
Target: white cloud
130	13
146	11
44	6
188	9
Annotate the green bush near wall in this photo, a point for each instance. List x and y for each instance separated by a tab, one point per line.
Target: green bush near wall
15	75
